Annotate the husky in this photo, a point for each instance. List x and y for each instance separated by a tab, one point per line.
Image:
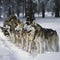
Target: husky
19	31
30	37
48	38
12	23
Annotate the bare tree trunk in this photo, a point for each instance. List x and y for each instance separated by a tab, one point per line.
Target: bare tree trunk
43	10
12	8
18	7
9	8
9	11
39	8
18	11
30	11
1	7
25	7
56	8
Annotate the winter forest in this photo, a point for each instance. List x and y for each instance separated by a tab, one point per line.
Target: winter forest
29	29
20	7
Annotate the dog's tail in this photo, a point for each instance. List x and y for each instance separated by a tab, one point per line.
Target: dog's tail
57	42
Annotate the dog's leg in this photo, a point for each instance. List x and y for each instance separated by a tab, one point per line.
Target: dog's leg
39	47
30	45
41	50
20	32
16	39
10	35
27	43
22	43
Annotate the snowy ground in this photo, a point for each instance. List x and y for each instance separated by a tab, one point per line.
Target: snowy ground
8	51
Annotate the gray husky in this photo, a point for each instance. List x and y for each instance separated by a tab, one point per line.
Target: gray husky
48	39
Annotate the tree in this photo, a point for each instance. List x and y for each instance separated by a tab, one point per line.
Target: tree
30	11
43	10
0	8
9	8
17	7
56	8
42	6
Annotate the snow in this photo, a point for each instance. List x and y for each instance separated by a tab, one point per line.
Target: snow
48	56
9	51
47	14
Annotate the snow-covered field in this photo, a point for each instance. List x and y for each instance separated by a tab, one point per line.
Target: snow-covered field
8	50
